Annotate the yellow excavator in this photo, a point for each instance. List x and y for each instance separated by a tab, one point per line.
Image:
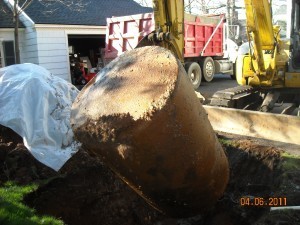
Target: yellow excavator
164	147
268	71
169	27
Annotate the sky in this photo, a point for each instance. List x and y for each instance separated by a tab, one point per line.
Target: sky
239	3
195	11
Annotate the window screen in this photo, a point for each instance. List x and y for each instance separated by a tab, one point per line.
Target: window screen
1	58
9	53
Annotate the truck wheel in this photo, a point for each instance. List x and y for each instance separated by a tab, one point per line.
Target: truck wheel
194	73
208	69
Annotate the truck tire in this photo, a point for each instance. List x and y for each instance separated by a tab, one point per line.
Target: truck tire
193	71
208	69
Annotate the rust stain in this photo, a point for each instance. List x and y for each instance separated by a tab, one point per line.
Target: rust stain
144	120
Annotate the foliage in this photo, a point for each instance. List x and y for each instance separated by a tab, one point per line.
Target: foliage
199	6
290	162
226	142
14	212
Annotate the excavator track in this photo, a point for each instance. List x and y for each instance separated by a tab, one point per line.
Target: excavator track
239	97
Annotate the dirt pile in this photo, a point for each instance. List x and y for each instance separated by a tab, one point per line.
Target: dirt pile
75	196
84	191
17	164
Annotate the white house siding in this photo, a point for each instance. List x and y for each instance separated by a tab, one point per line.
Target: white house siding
27	40
7	34
52	46
29	53
28	48
27	43
46	44
52	51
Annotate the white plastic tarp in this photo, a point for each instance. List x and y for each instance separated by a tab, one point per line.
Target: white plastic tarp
37	106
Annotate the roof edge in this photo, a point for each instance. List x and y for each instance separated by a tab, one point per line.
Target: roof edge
69	26
10	29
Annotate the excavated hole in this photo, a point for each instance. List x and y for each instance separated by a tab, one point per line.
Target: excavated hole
86	192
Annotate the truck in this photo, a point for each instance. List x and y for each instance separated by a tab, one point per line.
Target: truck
267	69
207	49
111	116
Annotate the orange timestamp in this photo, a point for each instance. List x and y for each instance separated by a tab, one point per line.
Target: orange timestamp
260	201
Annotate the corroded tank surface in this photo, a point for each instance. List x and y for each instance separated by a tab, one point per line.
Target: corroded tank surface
140	115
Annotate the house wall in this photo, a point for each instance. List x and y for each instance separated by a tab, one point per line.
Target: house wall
52	51
29	48
47	44
27	44
52	46
7	34
26	37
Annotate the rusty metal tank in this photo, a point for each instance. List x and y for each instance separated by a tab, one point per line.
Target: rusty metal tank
140	115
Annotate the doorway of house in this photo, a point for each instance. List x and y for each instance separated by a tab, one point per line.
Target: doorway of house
86	57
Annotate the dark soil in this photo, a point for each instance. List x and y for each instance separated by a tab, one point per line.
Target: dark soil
85	191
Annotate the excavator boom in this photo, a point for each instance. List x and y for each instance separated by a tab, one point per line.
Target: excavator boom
169	30
259	30
141	116
259	23
268	72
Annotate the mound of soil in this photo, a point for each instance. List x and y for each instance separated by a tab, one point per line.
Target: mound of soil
16	162
85	191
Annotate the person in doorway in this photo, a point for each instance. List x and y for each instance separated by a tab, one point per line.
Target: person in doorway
77	73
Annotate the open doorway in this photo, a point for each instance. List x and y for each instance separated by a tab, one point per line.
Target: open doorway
86	56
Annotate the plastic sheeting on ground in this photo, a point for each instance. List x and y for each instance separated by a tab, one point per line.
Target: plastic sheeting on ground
36	105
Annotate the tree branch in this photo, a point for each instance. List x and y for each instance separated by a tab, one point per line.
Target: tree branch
74	5
25	4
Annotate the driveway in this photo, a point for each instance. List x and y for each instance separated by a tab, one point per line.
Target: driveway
220	82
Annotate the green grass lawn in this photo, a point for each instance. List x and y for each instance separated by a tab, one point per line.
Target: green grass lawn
291	162
14	212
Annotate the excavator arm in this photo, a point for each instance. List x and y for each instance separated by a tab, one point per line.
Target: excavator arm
169	30
259	29
259	23
267	72
263	38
